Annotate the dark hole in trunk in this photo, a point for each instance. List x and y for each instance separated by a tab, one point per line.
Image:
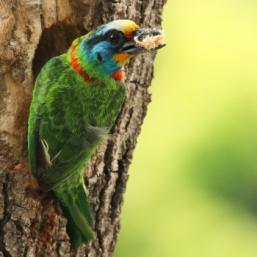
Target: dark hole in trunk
55	41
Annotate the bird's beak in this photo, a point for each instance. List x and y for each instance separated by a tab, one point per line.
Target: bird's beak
144	40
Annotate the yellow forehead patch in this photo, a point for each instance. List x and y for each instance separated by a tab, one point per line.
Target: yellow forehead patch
126	26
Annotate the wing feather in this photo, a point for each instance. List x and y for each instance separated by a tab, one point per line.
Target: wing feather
60	139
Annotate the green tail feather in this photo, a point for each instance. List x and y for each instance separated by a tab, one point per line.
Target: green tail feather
77	211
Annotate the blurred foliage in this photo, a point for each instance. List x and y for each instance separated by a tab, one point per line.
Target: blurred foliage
225	163
193	181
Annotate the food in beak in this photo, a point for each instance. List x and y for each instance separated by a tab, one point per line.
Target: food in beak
144	40
150	39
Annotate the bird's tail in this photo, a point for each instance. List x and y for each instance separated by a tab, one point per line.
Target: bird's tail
73	200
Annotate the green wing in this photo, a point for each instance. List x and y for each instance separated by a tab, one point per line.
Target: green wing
60	139
68	119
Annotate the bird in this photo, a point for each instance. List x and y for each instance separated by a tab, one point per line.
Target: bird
76	100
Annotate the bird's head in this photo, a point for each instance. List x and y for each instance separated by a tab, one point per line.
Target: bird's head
103	52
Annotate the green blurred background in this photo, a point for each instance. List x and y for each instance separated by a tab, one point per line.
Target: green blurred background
192	190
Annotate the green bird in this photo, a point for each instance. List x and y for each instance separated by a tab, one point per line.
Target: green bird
76	100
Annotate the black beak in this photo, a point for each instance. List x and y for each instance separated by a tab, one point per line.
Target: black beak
137	44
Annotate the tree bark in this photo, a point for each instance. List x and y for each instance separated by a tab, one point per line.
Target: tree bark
31	32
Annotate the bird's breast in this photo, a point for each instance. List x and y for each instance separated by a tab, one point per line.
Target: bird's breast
105	105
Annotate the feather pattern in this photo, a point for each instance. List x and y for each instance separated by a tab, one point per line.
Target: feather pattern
69	118
76	100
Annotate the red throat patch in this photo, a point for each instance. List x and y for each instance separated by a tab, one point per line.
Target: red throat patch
118	75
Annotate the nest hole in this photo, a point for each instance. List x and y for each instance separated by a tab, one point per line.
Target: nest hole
55	41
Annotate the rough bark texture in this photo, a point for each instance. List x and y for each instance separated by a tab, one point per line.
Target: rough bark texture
31	32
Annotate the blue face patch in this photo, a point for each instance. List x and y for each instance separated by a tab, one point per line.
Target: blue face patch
97	51
100	56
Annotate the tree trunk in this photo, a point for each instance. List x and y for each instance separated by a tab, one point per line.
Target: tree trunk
31	32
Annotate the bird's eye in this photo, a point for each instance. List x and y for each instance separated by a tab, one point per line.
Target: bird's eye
115	37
